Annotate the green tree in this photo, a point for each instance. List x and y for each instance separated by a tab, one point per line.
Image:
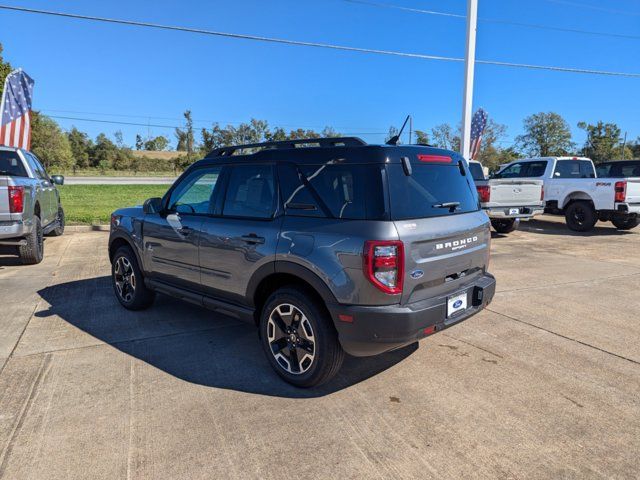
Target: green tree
545	134
139	142
157	144
634	148
104	153
185	137
5	69
445	137
421	137
81	146
603	141
49	143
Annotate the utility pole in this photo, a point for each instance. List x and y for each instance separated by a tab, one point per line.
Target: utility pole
469	68
624	145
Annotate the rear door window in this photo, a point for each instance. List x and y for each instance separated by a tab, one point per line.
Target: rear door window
423	193
251	192
11	164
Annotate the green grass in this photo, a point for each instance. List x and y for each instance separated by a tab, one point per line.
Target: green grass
93	204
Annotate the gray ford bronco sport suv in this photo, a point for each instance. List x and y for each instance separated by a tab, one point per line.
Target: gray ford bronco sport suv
327	245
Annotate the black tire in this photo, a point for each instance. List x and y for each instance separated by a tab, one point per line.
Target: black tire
506	225
128	281
311	354
59	230
33	251
580	216
625	223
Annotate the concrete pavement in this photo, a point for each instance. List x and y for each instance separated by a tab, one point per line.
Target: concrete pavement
544	384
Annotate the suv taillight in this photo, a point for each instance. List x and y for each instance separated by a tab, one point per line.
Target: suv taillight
384	265
16	199
621	192
484	192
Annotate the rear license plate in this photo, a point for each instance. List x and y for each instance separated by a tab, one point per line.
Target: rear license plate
456	303
514	211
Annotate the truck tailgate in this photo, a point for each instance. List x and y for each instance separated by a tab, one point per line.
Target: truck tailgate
633	190
514	192
4	199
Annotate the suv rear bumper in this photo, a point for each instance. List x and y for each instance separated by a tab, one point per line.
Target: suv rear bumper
377	329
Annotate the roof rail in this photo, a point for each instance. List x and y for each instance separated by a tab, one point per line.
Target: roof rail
323	142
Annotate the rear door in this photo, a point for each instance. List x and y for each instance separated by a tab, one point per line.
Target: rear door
445	234
171	238
242	234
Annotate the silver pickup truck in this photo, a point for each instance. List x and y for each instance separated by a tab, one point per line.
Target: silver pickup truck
507	200
29	204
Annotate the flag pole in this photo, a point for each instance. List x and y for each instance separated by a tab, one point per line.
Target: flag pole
469	67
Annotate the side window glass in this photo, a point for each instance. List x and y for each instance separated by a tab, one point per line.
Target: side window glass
512	171
586	169
250	192
297	198
603	170
195	194
38	171
567	169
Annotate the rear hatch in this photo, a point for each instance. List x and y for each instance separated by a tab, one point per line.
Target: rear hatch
633	191
436	212
514	193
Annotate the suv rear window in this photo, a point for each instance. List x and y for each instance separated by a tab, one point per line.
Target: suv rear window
419	194
11	165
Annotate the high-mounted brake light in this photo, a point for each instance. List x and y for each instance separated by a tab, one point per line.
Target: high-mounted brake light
16	199
384	265
434	158
621	191
484	192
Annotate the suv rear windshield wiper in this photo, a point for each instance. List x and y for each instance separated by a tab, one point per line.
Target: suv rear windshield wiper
450	205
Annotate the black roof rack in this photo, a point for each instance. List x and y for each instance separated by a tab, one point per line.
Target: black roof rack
285	144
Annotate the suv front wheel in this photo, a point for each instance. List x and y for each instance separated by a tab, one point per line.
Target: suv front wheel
128	282
299	339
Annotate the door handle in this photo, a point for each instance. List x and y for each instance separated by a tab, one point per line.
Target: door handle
252	238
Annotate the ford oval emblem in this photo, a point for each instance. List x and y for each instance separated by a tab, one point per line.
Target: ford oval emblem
457	304
416	274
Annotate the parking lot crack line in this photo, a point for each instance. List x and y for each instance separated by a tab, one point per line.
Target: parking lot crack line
574	282
15	345
566	338
473	345
45	366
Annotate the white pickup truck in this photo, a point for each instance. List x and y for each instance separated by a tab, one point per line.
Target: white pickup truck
507	201
571	187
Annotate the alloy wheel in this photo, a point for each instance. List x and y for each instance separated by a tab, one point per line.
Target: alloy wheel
291	338
125	279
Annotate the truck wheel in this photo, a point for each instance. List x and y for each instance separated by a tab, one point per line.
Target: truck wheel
506	225
299	338
33	251
580	216
625	223
59	230
128	282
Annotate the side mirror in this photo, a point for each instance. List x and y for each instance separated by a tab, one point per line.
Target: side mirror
152	205
57	179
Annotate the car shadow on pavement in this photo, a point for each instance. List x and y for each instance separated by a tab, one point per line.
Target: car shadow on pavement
543	227
192	343
9	256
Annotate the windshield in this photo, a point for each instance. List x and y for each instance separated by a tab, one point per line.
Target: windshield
432	190
11	165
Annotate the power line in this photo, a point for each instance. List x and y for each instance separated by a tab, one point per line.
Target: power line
116	122
494	20
320	45
593	7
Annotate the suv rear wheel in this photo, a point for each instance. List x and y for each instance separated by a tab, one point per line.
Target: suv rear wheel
128	282
580	216
299	339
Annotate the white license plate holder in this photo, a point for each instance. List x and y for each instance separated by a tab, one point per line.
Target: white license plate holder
456	304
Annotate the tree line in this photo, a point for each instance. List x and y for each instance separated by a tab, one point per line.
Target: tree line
543	134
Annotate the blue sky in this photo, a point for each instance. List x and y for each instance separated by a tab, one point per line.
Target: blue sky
130	74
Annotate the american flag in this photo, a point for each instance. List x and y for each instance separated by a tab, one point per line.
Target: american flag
478	123
15	124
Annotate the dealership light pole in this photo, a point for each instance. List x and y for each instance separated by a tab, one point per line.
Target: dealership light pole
469	67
